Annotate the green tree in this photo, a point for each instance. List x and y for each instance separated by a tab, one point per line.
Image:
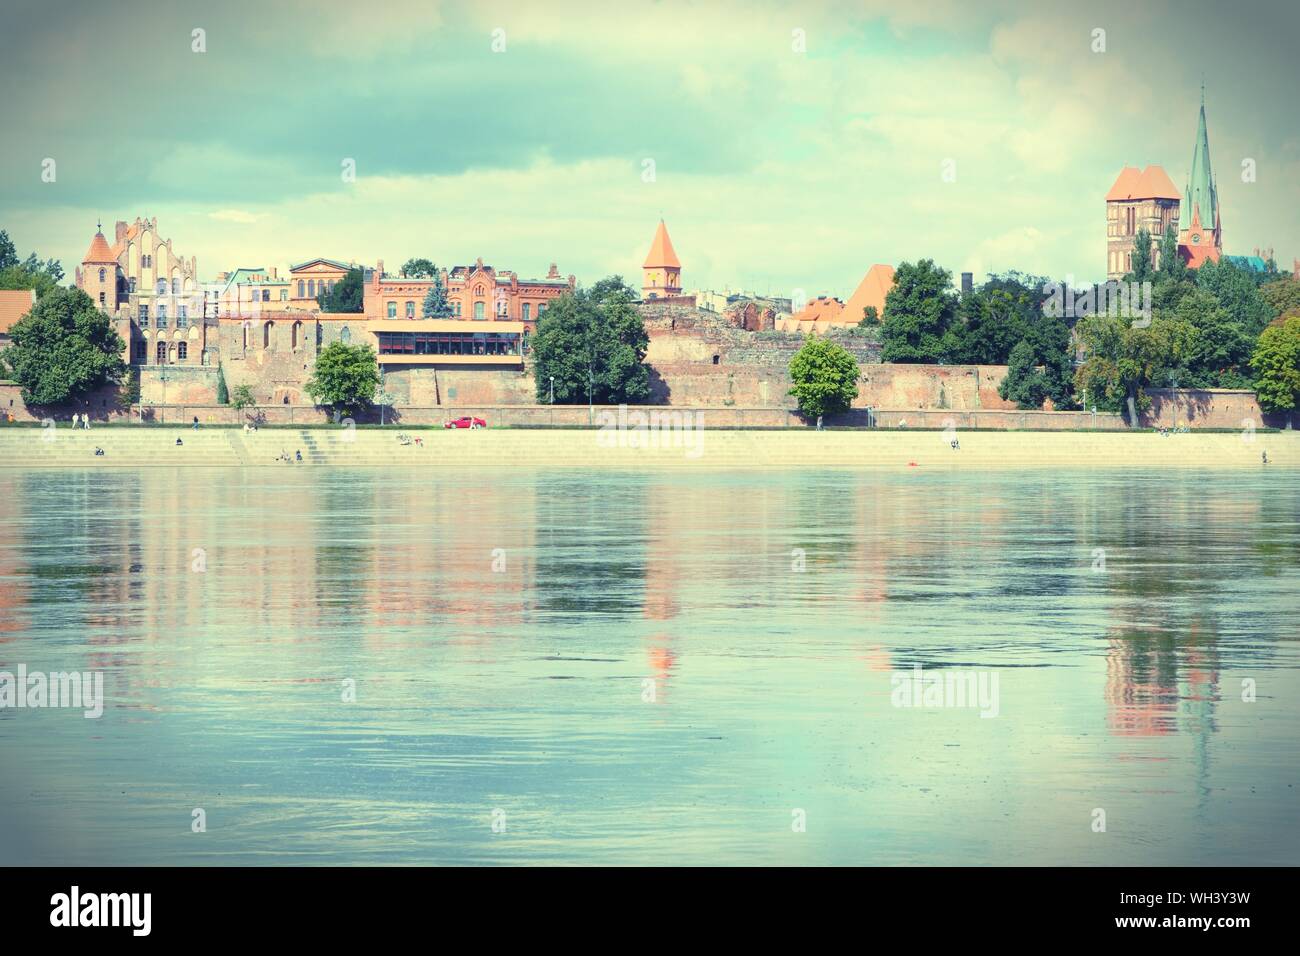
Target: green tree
1282	296
419	269
870	317
345	378
1219	355
223	393
1024	383
1277	366
1141	262
63	349
592	339
1122	361
29	273
8	254
1237	292
436	305
825	377
1172	267
242	398
919	311
346	295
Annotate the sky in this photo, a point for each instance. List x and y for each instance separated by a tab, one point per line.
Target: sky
788	146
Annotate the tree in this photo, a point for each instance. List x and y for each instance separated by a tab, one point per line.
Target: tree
1024	383
1277	364
1282	296
919	311
1219	355
242	398
63	349
870	317
29	273
825	378
1237	292
223	393
1172	267
419	269
8	254
345	378
593	342
1122	361
346	295
1141	261
436	305
991	321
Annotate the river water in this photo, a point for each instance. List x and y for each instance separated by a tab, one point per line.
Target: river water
322	666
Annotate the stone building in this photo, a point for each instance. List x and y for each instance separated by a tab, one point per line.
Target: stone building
1200	232
661	273
309	279
474	293
153	294
1139	199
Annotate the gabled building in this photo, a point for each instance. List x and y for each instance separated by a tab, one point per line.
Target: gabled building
309	279
661	273
1139	199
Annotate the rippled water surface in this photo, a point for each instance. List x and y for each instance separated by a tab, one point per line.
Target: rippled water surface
564	667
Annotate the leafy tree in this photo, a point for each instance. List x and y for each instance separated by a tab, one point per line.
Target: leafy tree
592	339
825	377
29	273
1277	364
1141	264
223	393
436	305
1024	383
991	321
346	377
419	269
1172	267
63	349
870	317
1122	361
346	295
242	398
1282	296
919	311
1237	292
8	254
1219	355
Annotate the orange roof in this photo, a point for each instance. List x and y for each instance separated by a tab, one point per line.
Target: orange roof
99	253
873	288
14	304
821	309
661	251
1150	183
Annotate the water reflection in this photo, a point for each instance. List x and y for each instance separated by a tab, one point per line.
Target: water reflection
500	629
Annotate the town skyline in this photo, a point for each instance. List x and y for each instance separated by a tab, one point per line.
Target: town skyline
985	141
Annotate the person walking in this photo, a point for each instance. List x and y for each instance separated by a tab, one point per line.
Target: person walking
196	422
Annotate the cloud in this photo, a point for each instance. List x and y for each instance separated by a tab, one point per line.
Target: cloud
235	215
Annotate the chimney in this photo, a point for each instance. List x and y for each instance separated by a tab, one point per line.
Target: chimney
967	283
119	231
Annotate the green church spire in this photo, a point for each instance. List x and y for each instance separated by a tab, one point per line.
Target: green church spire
1200	193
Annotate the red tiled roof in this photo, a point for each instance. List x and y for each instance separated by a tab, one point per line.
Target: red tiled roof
661	251
1150	183
873	288
14	304
99	253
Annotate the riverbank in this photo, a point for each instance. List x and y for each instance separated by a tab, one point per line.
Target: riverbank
681	448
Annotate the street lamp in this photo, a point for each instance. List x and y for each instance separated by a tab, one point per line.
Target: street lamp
552	389
1175	404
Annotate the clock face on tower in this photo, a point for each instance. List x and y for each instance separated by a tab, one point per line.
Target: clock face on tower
1196	238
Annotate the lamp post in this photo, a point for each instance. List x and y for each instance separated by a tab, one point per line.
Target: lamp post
1175	404
552	389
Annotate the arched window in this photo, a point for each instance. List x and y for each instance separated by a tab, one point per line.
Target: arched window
296	330
311	289
162	353
266	295
182	351
345	336
410	309
478	310
392	310
101	275
162	286
131	284
266	334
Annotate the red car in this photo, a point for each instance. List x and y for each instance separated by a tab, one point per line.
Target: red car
466	422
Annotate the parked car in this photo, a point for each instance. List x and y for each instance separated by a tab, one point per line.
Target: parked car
467	422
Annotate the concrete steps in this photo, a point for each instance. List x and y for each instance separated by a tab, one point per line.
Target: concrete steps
707	450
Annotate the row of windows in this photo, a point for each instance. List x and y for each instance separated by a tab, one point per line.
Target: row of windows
452	343
312	288
503	310
182	316
265	295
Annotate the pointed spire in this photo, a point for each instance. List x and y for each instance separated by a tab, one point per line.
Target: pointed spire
1200	195
661	251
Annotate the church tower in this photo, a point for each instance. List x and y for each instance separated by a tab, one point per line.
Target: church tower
97	276
662	272
1200	234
